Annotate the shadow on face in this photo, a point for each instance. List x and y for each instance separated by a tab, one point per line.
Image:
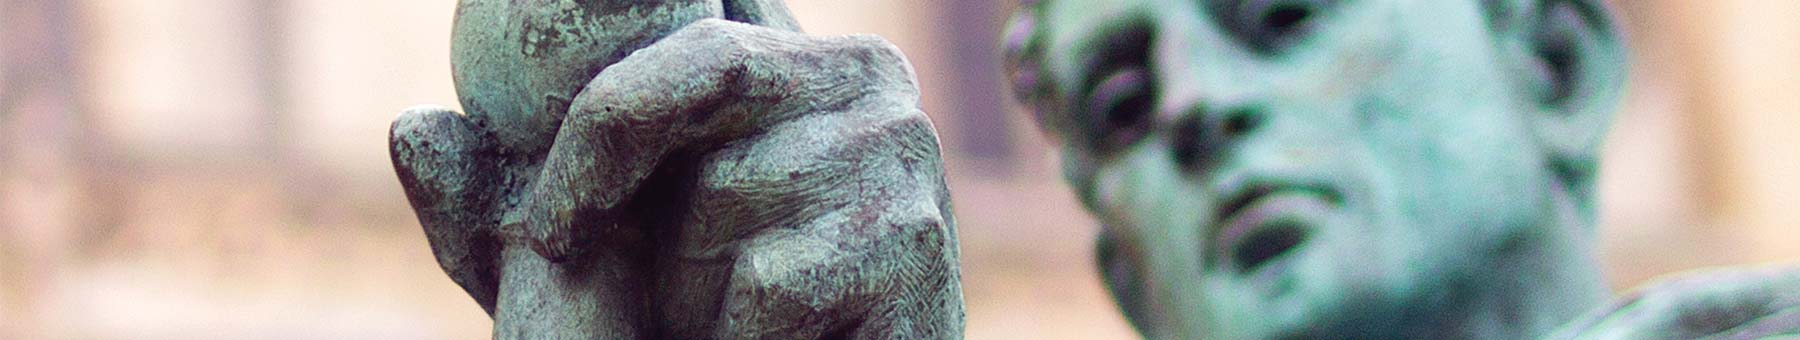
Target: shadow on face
1274	168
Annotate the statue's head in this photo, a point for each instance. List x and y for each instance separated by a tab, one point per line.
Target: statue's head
1270	168
518	64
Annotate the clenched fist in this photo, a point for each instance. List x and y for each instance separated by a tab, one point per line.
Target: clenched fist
683	169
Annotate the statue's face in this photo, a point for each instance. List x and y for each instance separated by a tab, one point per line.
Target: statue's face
1278	167
519	63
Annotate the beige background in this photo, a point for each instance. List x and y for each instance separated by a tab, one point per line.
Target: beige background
217	168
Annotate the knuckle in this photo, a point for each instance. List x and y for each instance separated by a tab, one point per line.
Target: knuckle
929	230
716	35
875	46
711	27
910	131
882	57
911	120
434	138
889	124
436	153
714	50
427	122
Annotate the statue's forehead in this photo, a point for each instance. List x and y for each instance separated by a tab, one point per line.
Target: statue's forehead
1068	28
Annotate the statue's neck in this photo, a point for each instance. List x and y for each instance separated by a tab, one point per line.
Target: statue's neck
1534	283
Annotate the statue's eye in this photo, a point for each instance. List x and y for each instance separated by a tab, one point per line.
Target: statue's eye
1122	106
1118	94
1270	26
1555	48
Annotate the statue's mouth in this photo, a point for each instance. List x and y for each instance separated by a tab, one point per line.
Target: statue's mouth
1263	225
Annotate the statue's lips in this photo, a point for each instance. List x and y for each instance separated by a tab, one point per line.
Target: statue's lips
1263	224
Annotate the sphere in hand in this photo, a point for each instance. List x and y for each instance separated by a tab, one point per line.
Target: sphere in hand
519	64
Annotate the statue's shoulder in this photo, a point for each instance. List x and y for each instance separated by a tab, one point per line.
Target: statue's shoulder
1748	302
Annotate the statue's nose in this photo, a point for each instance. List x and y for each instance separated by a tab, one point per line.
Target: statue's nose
1203	135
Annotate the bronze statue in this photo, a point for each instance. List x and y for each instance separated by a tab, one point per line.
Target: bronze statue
683	169
1371	169
1263	169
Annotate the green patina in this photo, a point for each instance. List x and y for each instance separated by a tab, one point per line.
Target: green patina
1376	169
682	169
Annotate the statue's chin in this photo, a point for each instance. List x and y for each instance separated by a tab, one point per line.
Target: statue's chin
518	67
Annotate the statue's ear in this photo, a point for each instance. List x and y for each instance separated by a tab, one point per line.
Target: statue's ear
1578	62
766	13
1124	279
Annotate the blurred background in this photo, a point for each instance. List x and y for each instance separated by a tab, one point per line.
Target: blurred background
218	168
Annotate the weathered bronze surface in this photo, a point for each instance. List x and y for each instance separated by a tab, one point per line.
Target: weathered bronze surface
683	169
1372	169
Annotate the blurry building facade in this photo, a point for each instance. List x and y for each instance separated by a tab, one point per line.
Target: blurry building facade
218	168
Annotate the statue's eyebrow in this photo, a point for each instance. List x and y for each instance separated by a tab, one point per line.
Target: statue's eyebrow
1124	42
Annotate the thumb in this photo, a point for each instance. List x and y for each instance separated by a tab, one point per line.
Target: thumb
443	164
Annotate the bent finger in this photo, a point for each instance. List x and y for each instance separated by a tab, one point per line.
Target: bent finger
712	82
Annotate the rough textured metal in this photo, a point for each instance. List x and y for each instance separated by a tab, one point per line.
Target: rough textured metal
1742	303
680	170
1370	169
